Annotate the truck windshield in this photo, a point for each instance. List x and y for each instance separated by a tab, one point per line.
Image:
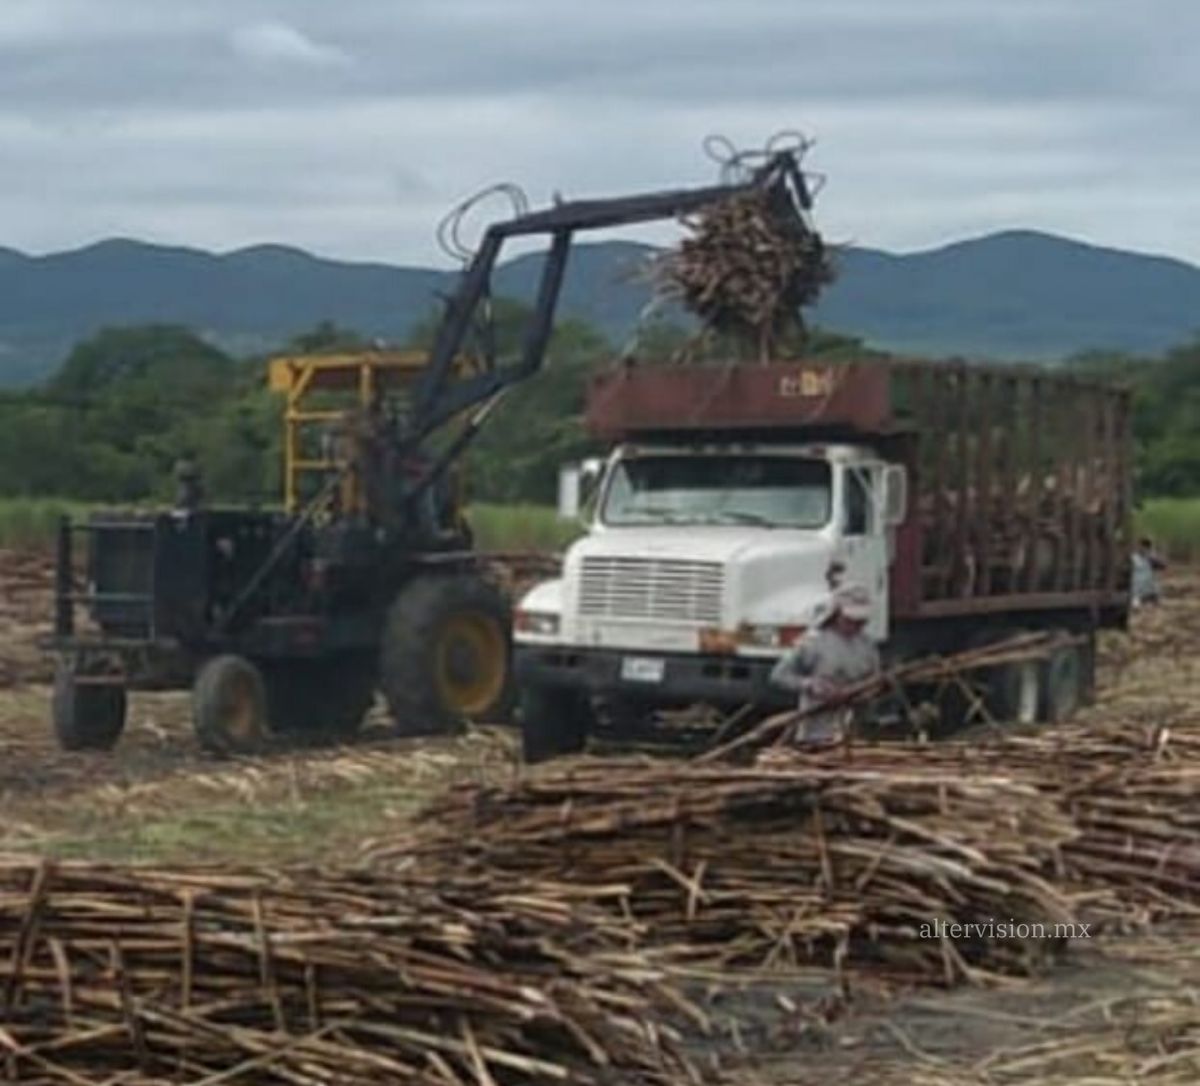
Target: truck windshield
773	491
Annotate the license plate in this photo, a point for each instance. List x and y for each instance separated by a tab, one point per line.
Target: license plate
643	669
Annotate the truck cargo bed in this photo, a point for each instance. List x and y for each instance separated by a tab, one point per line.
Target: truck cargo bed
1020	495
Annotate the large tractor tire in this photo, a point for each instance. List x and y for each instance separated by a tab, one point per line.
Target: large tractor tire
320	699
554	722
229	707
87	716
446	655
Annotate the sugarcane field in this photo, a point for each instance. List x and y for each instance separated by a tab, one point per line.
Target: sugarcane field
520	566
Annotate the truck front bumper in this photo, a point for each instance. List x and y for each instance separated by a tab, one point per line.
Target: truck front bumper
687	678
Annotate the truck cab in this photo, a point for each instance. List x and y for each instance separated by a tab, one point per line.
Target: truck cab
703	562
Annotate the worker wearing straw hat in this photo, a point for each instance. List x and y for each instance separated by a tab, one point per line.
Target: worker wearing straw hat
837	654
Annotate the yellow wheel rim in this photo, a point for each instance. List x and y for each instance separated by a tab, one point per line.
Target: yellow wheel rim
471	663
241	720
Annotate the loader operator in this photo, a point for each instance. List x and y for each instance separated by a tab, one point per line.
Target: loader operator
189	485
832	657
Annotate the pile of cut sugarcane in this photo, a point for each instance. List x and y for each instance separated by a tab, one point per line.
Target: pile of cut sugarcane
530	932
775	867
142	976
1128	790
850	853
746	269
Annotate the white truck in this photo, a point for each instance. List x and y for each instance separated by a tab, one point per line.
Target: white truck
736	498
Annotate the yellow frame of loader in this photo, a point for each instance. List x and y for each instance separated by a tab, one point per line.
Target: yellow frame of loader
364	373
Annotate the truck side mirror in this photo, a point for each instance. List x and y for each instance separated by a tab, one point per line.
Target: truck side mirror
895	495
577	485
569	487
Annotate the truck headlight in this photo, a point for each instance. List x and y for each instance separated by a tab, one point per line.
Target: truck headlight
769	637
541	623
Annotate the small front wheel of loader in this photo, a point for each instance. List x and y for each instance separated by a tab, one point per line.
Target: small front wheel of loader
321	698
445	656
87	715
555	722
229	706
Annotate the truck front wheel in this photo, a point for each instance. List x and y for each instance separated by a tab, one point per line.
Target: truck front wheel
445	657
554	722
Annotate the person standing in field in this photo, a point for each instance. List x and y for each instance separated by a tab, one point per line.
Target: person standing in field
1147	564
831	658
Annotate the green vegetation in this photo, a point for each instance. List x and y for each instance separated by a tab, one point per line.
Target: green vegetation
1174	525
1166	415
521	527
127	403
33	522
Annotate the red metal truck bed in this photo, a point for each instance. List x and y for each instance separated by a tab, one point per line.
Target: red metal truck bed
640	400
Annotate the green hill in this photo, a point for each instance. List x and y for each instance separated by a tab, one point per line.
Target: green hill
1011	295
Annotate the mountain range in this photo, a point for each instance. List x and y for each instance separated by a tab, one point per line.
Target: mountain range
1011	295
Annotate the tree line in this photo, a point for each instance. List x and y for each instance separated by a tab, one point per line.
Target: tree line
128	402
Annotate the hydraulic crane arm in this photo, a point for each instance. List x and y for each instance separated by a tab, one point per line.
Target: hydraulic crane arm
440	394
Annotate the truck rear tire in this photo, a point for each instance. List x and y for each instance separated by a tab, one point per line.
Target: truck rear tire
446	655
87	716
1012	693
229	706
1063	684
1015	693
321	698
554	723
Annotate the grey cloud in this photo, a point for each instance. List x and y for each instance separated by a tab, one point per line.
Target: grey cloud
350	127
622	50
273	42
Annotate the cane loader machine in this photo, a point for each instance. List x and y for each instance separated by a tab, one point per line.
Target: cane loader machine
366	580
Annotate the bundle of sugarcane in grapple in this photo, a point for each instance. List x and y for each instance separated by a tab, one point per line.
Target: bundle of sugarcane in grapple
745	269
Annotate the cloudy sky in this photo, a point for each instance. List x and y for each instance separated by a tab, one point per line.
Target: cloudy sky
349	126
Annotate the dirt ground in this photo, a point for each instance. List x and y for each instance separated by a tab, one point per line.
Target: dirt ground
158	797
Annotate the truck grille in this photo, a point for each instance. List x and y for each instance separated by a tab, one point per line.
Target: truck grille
653	588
